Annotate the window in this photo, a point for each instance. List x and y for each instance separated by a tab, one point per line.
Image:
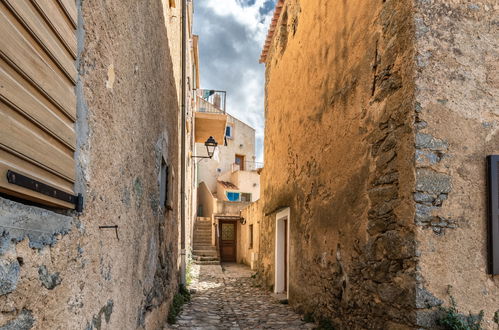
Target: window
228	131
233	196
165	184
250	236
172	3
38	103
245	197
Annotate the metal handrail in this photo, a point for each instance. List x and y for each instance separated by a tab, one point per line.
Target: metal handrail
205	106
216	98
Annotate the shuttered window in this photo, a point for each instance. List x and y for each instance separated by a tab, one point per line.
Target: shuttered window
493	210
37	97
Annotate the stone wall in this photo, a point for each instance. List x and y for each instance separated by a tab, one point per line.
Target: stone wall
247	254
61	270
457	126
339	153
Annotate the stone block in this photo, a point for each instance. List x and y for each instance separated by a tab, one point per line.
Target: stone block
49	281
427	141
24	321
9	275
432	182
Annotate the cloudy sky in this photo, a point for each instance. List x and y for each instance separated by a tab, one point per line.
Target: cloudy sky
231	36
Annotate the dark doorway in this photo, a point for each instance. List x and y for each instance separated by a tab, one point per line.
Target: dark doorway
228	234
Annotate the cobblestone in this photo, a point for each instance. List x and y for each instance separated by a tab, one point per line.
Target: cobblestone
229	299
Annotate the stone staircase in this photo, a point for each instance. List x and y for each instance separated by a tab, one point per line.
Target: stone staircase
203	253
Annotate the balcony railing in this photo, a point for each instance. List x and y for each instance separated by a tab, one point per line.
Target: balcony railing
248	166
211	101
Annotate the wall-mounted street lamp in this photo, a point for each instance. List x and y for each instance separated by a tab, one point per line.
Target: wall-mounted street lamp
210	145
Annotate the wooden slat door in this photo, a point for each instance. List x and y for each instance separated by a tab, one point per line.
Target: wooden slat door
228	241
37	95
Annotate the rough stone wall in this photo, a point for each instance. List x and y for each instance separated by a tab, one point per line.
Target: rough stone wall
62	271
339	152
457	127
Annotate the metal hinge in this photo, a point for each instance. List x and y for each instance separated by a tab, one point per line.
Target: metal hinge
42	188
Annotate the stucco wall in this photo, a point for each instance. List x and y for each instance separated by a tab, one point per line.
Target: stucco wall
252	214
457	122
206	200
243	143
339	153
247	182
77	276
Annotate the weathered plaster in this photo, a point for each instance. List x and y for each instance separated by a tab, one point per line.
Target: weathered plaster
339	151
456	92
88	277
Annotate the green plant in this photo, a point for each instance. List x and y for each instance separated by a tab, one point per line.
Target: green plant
181	297
496	317
452	319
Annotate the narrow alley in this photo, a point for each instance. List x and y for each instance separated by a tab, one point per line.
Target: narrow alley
227	297
249	164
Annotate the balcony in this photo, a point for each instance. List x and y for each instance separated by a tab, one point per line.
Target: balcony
247	166
210	117
211	101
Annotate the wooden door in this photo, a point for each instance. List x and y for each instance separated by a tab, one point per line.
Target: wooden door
240	161
228	234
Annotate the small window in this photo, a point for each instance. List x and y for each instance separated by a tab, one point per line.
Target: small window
165	179
245	197
233	196
250	236
172	3
228	132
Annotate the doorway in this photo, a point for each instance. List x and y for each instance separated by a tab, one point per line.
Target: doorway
240	161
282	253
227	242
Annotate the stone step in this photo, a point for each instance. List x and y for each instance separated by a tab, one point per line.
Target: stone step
202	235
202	246
202	240
207	231
202	243
204	258
201	230
205	253
214	262
203	223
206	238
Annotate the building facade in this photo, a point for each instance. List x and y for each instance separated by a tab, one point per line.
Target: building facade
228	183
91	106
374	192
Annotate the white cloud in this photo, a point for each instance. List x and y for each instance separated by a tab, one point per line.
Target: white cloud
232	33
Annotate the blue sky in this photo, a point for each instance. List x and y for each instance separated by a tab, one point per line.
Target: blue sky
231	36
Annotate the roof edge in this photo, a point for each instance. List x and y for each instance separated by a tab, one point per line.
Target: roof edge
270	33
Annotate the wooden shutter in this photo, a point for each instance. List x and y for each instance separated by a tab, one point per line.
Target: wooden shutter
37	96
493	210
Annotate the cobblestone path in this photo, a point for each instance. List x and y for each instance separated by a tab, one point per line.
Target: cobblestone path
228	299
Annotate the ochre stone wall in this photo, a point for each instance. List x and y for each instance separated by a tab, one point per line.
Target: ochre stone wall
457	126
339	153
63	271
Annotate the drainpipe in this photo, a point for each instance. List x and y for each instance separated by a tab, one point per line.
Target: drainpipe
183	171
